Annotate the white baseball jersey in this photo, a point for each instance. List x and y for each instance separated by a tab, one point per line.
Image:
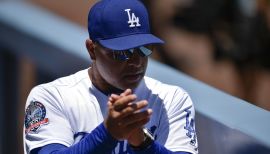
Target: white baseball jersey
65	110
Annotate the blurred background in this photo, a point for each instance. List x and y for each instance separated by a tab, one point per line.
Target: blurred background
224	43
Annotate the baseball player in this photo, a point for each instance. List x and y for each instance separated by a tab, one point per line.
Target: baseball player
111	107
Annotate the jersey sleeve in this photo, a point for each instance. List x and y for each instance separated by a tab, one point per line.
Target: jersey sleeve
177	128
45	120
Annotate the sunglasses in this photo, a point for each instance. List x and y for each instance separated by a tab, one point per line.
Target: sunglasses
124	55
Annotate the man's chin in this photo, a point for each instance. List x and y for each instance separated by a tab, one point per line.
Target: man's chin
130	85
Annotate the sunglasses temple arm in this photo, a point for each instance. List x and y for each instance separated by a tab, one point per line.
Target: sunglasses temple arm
145	51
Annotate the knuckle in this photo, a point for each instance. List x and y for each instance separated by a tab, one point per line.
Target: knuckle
127	110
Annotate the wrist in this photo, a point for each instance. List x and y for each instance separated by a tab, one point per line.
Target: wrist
137	137
108	130
147	140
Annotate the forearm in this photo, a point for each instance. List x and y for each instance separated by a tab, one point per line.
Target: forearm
98	141
157	148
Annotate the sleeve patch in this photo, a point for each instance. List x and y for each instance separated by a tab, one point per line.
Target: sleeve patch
190	127
35	117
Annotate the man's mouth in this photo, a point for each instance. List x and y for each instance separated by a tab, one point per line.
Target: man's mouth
134	77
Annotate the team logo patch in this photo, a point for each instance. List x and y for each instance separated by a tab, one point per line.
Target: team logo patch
35	117
190	127
133	21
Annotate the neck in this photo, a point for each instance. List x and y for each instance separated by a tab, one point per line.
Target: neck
100	83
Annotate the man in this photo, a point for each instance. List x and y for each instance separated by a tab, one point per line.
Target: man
111	107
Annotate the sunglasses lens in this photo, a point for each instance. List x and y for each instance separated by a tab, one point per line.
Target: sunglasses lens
124	55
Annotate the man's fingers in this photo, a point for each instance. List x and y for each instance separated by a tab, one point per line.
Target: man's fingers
114	97
133	107
136	117
122	102
126	92
138	124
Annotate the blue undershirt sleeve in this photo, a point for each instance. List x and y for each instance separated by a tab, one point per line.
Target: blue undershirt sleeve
156	148
98	141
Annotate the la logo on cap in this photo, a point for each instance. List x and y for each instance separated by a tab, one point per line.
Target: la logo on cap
133	21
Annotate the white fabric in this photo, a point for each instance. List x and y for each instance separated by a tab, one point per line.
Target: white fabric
74	105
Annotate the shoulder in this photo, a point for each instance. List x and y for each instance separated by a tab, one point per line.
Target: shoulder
171	96
163	89
64	82
71	80
53	91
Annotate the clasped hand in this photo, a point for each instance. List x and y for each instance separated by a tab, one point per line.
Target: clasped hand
125	118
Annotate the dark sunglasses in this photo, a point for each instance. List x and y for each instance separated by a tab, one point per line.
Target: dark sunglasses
124	55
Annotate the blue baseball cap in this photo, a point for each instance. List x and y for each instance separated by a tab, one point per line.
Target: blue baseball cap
120	24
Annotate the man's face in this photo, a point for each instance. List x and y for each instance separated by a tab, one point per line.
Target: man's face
121	74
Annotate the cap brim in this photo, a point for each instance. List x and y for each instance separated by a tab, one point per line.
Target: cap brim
130	41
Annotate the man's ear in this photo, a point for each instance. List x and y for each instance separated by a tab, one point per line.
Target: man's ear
91	48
